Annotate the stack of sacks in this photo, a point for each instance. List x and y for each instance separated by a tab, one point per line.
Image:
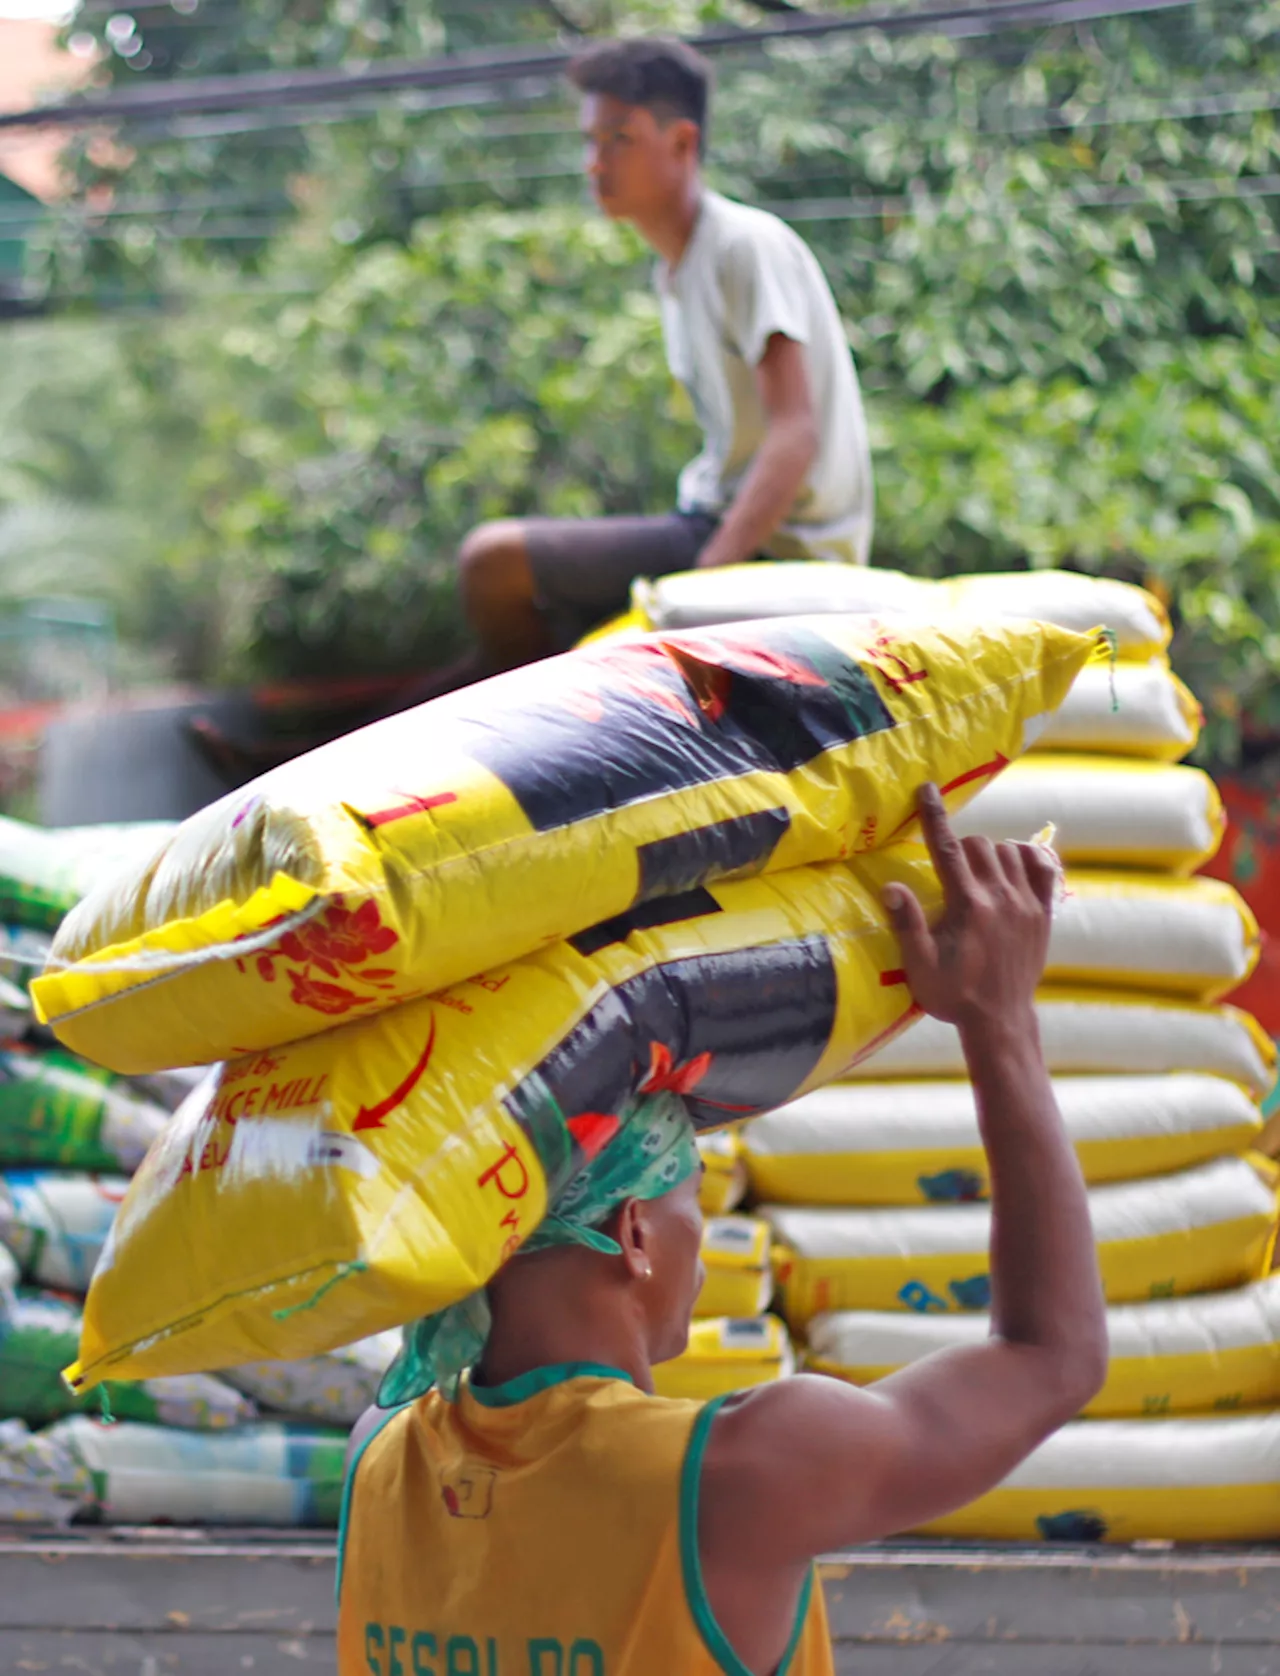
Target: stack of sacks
874	1186
733	1343
442	960
71	1134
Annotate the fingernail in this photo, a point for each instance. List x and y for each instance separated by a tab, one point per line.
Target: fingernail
894	897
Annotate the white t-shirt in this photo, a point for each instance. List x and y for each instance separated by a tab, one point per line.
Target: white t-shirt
745	275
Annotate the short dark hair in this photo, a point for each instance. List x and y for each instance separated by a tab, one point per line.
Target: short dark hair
660	74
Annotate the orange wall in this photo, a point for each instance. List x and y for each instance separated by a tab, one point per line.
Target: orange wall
32	66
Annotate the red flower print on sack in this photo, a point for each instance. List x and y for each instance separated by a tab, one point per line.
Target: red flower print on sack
666	1077
335	943
340	937
321	997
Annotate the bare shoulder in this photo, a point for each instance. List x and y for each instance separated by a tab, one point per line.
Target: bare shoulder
361	1432
794	1468
775	1435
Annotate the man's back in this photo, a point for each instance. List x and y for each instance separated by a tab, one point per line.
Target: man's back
744	277
546	1527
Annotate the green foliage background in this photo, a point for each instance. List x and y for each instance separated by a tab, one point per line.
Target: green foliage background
1056	251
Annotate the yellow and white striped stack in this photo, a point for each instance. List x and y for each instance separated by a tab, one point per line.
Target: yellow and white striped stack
734	1343
875	1187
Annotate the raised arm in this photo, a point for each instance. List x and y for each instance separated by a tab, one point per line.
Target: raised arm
810	1464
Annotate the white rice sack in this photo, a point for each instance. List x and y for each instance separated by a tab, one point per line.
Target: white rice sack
56	1223
737	593
1107	812
267	1474
1213	1226
1211	1479
335	1388
1172	1355
906	1143
1128	709
1095	1031
42	1482
1147	931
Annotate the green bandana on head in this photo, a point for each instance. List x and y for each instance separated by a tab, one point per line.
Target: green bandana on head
654	1150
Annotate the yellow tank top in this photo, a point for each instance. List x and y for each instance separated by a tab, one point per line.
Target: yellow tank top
546	1527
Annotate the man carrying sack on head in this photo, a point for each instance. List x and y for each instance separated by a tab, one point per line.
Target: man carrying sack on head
528	1507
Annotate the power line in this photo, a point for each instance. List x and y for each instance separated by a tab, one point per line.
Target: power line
834	209
1133	111
225	93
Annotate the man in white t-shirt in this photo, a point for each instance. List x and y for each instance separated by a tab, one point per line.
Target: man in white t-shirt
752	333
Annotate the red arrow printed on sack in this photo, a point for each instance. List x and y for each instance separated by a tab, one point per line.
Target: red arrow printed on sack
984	771
374	1117
413	806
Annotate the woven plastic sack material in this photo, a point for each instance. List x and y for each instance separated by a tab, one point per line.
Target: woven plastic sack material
1146	931
334	1389
915	1143
385	1170
724	1174
169	1088
1157	815
265	1474
1213	1479
41	1481
735	1253
38	1337
727	1356
44	873
1092	1030
1173	1356
23	953
54	1109
1212	1226
1129	710
483	826
56	1224
736	593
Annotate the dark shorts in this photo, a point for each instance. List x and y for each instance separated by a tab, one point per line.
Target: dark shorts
583	568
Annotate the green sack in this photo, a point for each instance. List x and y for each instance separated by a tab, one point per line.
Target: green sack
45	872
57	1110
40	1335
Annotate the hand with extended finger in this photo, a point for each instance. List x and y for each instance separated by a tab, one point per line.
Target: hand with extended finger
983	958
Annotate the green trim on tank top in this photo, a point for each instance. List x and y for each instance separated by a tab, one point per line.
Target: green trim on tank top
344	1513
713	1637
526	1385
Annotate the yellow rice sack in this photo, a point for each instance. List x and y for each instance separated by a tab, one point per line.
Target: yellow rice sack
1106	813
736	1256
321	1192
727	1356
916	1143
1212	1479
1147	931
481	827
736	593
1208	1227
1094	1030
724	1172
1218	1350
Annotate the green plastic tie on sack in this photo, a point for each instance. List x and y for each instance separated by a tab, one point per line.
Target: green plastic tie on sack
357	1267
1113	645
104	1406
